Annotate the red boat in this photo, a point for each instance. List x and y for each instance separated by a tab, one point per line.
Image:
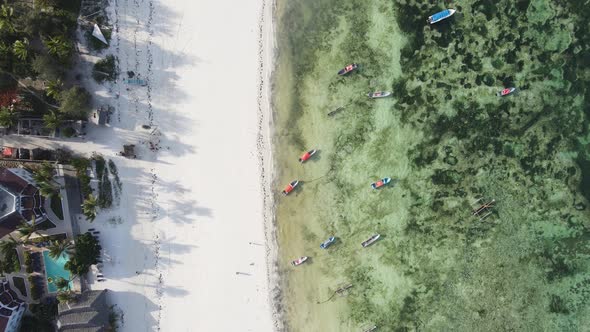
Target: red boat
506	92
347	69
290	187
299	261
306	156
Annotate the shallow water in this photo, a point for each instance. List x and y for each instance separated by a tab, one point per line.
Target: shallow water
447	140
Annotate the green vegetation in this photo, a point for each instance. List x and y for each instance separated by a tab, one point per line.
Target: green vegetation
42	318
10	262
59	247
36	44
81	165
105	69
28	262
86	254
56	207
448	140
19	283
90	208
36	286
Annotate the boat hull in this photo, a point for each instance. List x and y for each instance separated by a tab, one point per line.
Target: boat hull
348	69
327	243
380	183
299	261
379	94
290	187
506	92
306	156
370	240
443	15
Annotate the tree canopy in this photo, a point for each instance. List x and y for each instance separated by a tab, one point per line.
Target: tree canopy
87	251
75	103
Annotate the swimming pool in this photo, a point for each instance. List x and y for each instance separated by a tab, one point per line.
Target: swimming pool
54	269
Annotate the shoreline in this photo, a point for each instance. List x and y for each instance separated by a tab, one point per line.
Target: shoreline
266	156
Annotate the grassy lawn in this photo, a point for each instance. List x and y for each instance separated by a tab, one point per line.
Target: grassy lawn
57	208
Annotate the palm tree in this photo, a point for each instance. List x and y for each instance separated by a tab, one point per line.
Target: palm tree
28	229
52	120
20	49
8	117
54	88
62	283
7	247
89	207
58	46
6	19
57	248
47	189
66	296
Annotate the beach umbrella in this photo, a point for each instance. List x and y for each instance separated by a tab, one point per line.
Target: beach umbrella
98	34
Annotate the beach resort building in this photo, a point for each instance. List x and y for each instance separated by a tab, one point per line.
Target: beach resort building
20	199
11	309
88	312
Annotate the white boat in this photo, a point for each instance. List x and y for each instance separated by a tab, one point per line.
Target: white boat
299	261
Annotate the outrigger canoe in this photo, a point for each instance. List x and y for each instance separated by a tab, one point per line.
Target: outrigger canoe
506	92
380	183
379	94
327	243
289	188
306	156
370	240
349	68
441	16
299	261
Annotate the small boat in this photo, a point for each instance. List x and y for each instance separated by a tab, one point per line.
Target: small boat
336	111
370	240
380	183
328	243
379	94
306	156
506	92
299	261
289	188
349	68
371	329
441	16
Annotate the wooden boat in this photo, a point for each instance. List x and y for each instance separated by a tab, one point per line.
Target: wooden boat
299	261
379	94
441	16
336	111
370	240
306	156
328	243
289	188
380	183
348	69
506	92
371	329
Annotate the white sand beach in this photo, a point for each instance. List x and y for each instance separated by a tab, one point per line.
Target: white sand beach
191	214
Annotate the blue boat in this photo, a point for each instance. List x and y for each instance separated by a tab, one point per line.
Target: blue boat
327	243
441	16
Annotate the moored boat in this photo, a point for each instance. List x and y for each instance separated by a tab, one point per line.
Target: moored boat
371	329
289	188
379	94
370	240
506	92
380	183
306	156
441	16
327	243
349	68
299	261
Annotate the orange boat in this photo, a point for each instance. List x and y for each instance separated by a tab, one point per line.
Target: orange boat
306	156
290	187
